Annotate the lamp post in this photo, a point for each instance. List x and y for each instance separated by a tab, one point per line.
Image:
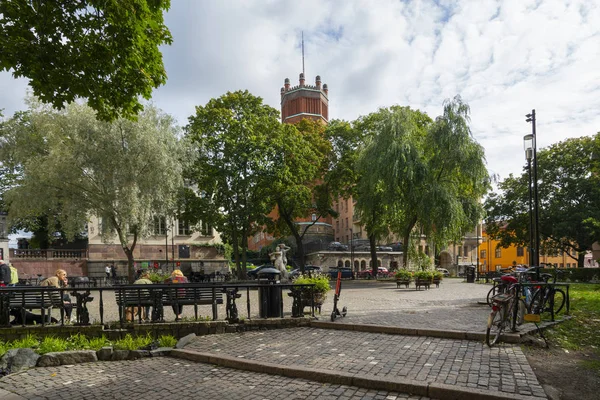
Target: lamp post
536	260
351	249
529	156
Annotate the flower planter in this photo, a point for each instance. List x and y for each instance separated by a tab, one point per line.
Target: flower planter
419	283
402	282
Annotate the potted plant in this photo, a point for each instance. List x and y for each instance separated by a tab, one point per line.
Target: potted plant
403	277
319	290
423	278
437	277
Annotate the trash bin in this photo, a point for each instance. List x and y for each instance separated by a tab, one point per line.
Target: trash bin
470	271
270	300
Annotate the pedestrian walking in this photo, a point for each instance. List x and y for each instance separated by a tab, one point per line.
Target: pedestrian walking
113	273
107	272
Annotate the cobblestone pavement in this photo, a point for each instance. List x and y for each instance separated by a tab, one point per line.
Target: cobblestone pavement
171	378
457	363
461	363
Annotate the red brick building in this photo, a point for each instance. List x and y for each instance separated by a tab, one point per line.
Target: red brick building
297	103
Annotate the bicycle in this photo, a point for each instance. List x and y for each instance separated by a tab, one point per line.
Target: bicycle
547	298
499	286
508	310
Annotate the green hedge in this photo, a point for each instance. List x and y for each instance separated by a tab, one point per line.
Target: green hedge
576	274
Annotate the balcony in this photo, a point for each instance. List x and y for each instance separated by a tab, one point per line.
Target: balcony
47	254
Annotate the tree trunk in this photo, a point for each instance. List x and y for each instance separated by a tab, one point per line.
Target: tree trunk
374	266
406	241
580	259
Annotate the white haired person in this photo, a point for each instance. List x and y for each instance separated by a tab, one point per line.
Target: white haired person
59	280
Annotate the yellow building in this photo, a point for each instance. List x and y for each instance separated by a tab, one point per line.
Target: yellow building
492	257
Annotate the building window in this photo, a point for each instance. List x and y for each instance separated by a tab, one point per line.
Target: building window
562	265
568	265
482	254
498	252
460	253
160	226
206	229
466	251
520	252
183	228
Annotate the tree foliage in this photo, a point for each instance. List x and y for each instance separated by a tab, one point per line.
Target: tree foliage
415	172
237	142
123	172
569	200
104	51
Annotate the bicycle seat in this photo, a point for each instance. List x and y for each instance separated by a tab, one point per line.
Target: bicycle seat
509	279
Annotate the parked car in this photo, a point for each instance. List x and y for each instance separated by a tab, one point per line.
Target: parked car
395	246
443	271
347	273
253	273
337	246
384	248
368	273
313	269
362	247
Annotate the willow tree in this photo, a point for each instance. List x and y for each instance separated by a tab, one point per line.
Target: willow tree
391	168
123	172
424	173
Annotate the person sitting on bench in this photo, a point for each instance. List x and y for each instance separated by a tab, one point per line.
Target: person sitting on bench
60	281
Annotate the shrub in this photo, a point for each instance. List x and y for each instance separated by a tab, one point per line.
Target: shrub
52	344
98	343
29	341
423	275
78	342
438	275
3	348
403	274
157	277
321	282
167	341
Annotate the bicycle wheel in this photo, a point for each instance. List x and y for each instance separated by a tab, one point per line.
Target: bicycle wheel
537	302
495	325
559	300
497	289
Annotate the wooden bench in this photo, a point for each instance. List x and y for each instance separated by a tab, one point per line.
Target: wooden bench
144	297
35	299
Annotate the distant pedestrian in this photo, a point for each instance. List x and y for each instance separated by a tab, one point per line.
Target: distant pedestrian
113	272
107	272
4	273
14	275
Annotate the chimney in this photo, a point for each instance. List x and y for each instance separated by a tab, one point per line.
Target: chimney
301	78
318	82
325	89
286	84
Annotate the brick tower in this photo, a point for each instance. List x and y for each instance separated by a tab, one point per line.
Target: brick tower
304	101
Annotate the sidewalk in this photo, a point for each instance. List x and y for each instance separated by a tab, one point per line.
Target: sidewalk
356	361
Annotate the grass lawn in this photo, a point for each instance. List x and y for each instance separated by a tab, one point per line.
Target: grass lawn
581	332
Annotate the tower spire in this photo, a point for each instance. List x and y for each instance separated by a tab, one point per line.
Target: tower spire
303	52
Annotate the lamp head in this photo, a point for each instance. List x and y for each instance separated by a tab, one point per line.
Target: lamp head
528	142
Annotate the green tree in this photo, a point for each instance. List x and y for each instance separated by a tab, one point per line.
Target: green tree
300	187
104	51
569	200
238	141
123	172
422	174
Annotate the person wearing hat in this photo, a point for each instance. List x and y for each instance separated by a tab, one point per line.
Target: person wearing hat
5	277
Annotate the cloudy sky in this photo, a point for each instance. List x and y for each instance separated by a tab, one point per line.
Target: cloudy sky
503	57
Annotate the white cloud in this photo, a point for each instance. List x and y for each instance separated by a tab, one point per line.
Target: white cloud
503	57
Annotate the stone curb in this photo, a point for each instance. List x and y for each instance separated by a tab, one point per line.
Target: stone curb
6	395
393	330
429	389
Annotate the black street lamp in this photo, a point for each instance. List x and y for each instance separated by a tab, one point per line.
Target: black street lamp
527	139
536	260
